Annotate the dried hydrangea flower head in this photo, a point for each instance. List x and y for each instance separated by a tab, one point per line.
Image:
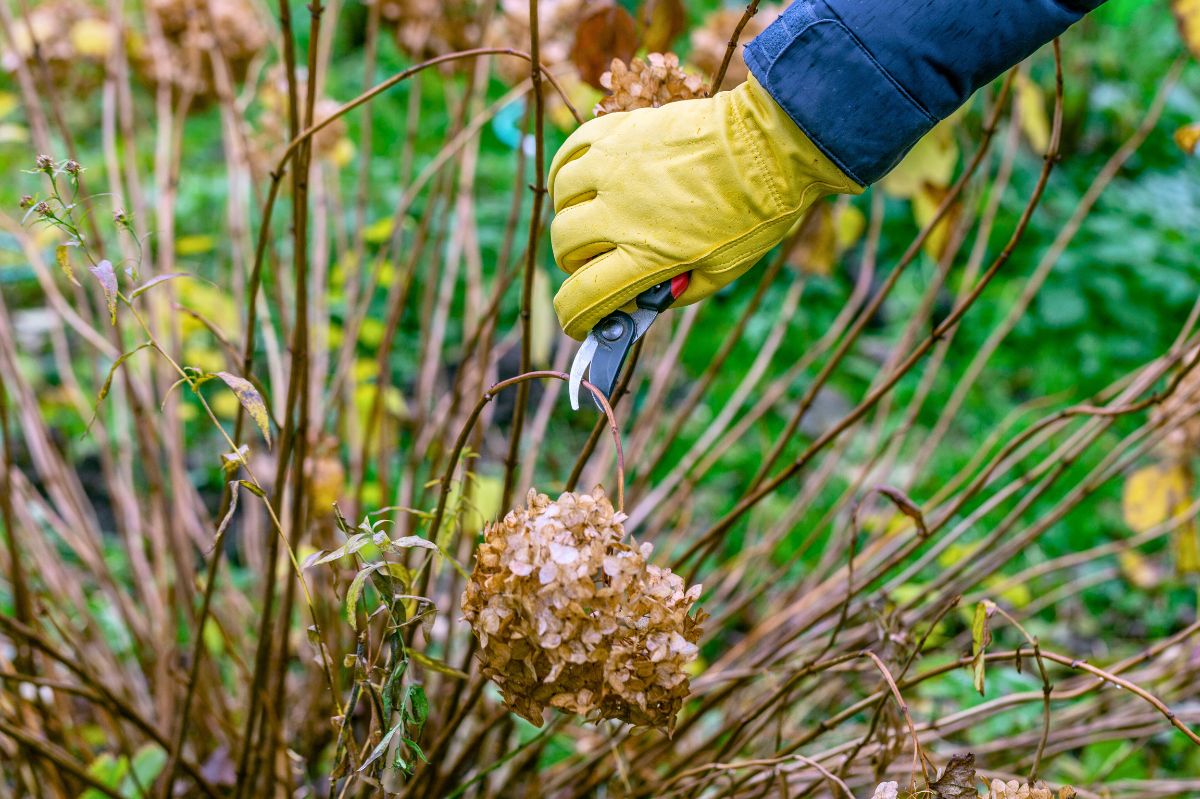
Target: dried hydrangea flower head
711	40
648	84
571	614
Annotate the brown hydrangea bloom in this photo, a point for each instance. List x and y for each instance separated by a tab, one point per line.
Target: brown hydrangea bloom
648	84
569	614
73	42
429	28
194	35
711	39
1023	790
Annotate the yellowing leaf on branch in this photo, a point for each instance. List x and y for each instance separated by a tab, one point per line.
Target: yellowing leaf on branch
925	205
1154	494
664	21
1188	137
1031	104
931	162
981	636
108	282
1187	14
251	400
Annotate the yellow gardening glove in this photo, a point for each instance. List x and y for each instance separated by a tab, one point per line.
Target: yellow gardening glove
706	186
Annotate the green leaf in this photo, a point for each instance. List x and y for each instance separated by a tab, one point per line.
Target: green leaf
436	665
354	592
415	699
148	762
106	770
154	281
410	541
380	748
251	400
108	282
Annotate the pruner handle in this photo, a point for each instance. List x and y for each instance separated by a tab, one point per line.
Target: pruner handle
660	297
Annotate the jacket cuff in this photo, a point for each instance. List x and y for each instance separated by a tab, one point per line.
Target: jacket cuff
866	80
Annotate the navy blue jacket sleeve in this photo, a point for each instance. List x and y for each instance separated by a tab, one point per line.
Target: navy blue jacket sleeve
865	79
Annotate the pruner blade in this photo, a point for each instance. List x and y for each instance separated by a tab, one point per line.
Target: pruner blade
606	347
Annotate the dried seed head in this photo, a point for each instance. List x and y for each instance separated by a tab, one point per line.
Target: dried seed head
27	200
570	615
648	84
711	40
72	167
43	209
44	163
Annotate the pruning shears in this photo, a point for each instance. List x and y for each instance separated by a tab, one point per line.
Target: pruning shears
605	349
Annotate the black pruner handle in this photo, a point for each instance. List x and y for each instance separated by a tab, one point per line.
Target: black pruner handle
660	297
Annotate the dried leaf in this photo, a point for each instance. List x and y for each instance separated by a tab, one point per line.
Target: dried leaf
251	400
958	780
381	747
886	790
981	636
410	541
62	256
1187	14
108	281
664	20
607	33
154	281
1188	137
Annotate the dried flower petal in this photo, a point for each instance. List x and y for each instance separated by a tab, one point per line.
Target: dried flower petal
570	614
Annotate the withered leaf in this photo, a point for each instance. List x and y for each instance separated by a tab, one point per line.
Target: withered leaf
664	21
1187	14
154	281
1188	137
108	281
958	780
251	400
62	256
608	32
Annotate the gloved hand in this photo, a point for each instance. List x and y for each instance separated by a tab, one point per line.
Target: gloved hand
702	185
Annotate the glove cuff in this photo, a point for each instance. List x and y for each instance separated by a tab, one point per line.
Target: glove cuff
802	167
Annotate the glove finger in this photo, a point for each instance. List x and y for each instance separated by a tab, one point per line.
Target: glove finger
577	235
601	286
578	143
576	181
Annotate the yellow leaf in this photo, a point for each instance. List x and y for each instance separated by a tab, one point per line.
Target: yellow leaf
1188	137
925	204
1187	14
343	152
1031	103
203	357
194	245
62	255
1138	569
92	38
1185	542
542	325
815	250
930	162
379	232
850	223
251	400
1152	495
